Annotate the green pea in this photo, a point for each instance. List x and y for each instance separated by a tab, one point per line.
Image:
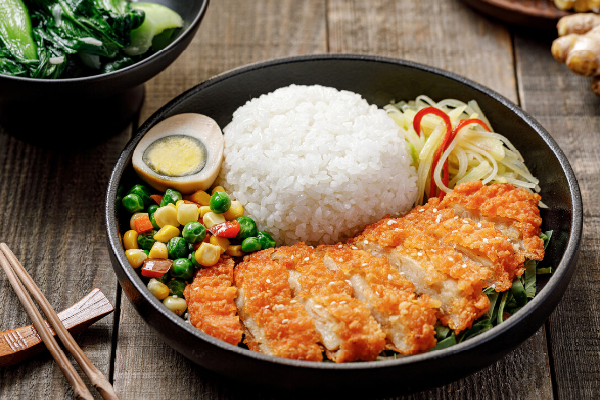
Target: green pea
194	232
171	196
144	194
266	241
219	202
192	258
146	240
147	253
153	221
176	287
250	245
152	208
133	203
182	268
164	279
247	228
177	248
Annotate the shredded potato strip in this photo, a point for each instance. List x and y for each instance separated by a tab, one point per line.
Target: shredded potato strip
474	153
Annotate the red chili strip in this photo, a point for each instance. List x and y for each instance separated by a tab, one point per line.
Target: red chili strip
431	110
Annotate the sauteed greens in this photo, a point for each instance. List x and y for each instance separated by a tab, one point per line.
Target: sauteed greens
72	38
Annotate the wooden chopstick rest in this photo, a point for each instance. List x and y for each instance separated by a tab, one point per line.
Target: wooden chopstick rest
19	344
96	377
79	388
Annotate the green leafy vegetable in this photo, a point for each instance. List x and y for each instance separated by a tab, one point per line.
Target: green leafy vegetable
159	18
70	38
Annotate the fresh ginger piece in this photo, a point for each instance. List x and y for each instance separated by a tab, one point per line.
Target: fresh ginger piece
580	52
578	5
577	23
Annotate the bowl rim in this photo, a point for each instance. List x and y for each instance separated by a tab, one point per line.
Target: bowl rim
560	272
92	78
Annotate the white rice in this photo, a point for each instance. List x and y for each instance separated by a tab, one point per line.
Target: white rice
315	164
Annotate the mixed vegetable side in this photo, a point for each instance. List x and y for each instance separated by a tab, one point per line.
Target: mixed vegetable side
71	38
170	237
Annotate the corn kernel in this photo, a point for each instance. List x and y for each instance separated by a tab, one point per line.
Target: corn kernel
158	289
133	218
221	242
135	257
187	213
218	189
210	219
175	304
166	233
130	240
234	250
204	210
178	203
208	254
159	250
235	211
201	197
166	215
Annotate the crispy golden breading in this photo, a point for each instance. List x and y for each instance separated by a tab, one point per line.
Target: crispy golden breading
407	321
210	298
436	269
348	330
274	323
513	211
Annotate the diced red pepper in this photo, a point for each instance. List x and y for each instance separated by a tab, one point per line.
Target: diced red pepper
143	224
156	267
228	229
157	198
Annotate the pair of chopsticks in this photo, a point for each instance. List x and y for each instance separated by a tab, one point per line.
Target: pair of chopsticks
18	276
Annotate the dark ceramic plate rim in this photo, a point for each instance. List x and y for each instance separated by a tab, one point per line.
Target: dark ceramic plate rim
100	77
557	276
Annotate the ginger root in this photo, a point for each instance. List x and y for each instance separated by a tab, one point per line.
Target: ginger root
578	5
579	45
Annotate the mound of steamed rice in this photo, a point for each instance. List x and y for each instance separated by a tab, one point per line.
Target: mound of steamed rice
315	164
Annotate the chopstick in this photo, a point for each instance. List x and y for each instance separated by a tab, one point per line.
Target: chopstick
10	262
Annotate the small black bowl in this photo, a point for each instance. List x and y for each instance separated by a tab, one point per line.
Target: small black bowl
378	80
81	110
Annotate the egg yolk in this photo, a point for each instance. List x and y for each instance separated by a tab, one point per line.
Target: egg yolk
176	155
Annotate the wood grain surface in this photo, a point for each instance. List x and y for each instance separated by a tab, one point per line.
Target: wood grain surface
51	201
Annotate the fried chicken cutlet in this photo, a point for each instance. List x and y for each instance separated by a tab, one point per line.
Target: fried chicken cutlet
513	211
274	322
407	321
210	298
348	330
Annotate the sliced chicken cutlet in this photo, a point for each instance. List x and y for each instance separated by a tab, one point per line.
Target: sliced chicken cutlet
436	269
210	299
407	321
479	243
274	323
348	330
513	211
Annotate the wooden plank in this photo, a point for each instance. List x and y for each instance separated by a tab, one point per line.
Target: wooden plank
51	207
448	35
234	33
563	103
444	34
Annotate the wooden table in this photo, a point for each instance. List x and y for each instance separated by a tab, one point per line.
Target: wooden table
51	202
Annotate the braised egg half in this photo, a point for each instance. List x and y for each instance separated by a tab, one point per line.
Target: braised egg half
183	152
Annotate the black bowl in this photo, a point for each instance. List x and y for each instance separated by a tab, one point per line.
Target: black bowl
378	80
88	108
